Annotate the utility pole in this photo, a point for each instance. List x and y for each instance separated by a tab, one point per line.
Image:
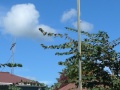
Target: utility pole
79	44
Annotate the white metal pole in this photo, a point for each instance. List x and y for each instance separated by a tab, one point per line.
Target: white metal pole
79	44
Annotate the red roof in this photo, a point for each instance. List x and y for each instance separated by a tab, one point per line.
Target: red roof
71	86
6	77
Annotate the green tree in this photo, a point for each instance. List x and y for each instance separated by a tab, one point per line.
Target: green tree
13	87
97	53
11	65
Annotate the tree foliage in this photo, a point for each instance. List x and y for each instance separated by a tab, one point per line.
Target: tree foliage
11	65
97	53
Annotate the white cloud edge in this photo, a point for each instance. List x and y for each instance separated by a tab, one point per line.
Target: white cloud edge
49	83
22	23
71	15
85	26
46	82
67	15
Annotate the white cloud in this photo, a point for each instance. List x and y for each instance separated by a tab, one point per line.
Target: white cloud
71	15
1	21
68	15
2	13
49	83
36	33
23	21
85	26
31	78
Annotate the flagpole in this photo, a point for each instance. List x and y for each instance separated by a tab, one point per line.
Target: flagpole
79	44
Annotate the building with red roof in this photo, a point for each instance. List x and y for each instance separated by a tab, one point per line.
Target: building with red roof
7	79
70	86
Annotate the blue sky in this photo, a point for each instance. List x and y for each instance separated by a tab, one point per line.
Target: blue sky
21	19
